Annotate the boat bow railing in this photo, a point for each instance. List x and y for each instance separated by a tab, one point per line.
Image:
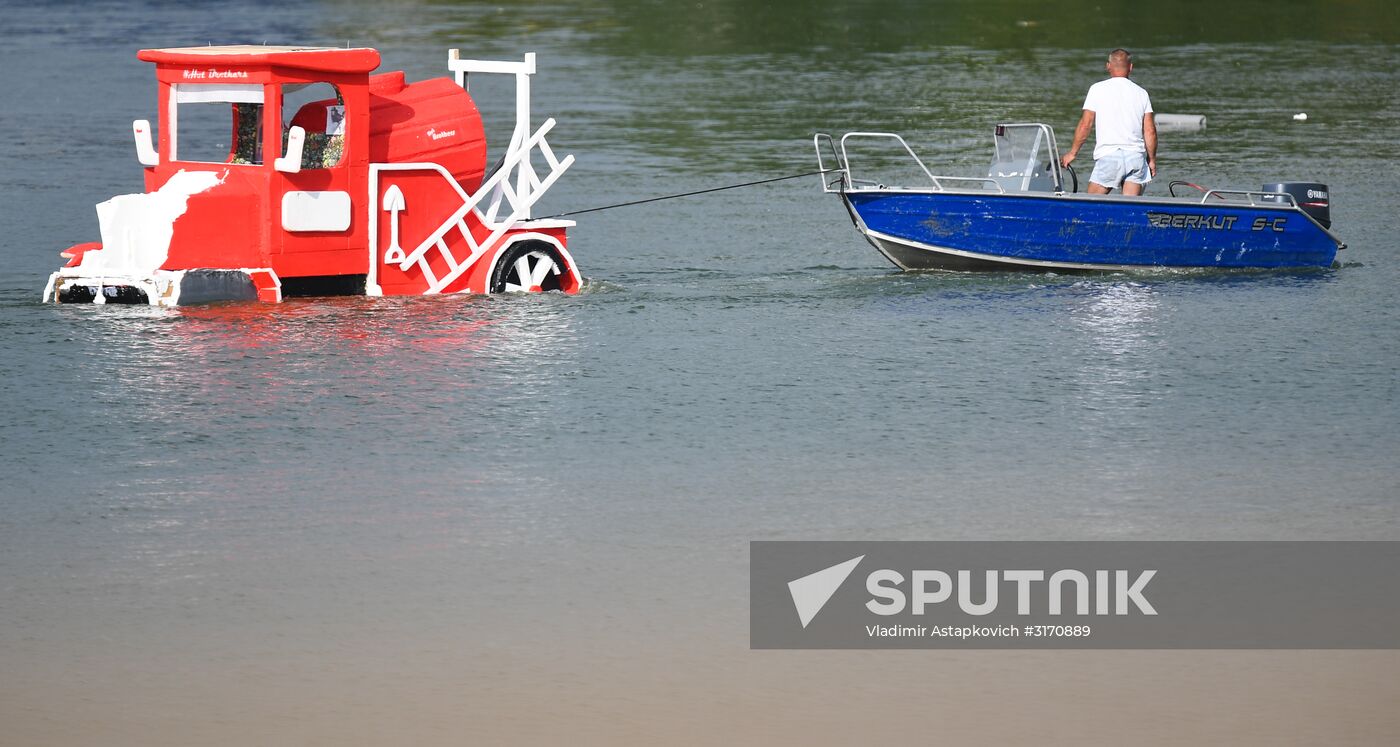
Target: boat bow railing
842	180
847	182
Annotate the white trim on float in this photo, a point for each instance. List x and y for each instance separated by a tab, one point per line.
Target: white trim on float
218	93
316	211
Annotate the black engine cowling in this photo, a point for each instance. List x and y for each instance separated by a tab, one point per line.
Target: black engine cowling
1312	197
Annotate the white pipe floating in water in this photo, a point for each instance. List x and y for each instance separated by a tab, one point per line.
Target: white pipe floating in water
1181	122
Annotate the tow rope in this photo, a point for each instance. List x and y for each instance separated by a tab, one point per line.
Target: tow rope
691	194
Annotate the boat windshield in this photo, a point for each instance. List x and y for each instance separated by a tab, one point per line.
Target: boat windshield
1027	158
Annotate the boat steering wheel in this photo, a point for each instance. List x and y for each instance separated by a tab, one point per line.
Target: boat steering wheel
1074	178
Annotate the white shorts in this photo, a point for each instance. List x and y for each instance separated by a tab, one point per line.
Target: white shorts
1113	168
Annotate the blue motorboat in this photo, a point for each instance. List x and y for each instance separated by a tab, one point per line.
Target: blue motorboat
1027	214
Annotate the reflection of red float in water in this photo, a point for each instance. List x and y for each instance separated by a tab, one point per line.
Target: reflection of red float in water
283	170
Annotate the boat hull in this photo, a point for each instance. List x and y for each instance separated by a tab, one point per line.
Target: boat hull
975	231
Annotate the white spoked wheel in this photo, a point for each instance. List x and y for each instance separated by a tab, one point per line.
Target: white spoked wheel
529	273
533	267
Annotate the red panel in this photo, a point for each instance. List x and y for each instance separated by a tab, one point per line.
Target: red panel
224	226
432	121
269	289
428	202
325	252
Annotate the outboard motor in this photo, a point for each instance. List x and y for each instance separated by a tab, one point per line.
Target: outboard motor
1310	196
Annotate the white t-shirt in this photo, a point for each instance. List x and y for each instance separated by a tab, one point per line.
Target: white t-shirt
1118	105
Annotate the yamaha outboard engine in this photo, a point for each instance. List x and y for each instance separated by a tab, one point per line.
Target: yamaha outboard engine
1310	196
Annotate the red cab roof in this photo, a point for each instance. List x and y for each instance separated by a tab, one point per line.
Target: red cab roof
322	59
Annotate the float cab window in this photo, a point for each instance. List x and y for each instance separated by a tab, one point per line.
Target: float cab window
217	123
318	109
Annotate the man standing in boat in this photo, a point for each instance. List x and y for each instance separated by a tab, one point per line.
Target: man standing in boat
1125	133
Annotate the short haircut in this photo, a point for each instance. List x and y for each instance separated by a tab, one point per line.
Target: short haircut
1120	57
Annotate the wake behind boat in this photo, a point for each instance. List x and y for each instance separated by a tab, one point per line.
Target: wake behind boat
1025	215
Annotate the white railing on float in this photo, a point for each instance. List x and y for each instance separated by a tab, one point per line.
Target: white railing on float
514	185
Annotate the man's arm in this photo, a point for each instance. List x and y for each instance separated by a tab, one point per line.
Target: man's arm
1149	138
1081	133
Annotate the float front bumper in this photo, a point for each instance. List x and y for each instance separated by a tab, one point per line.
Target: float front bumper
164	287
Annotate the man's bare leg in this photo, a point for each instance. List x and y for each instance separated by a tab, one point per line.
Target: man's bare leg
1098	189
1130	188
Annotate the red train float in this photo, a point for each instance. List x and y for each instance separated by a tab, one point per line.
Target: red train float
294	171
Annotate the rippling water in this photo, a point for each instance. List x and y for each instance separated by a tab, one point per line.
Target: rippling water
527	518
